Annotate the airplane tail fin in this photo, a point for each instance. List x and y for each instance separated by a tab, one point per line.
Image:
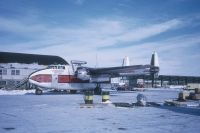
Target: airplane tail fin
154	59
154	62
126	61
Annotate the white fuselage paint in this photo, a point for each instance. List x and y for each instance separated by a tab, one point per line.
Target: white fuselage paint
71	83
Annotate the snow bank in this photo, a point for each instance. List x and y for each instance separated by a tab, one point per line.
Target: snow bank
16	92
167	89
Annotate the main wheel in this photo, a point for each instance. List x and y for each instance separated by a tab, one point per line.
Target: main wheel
38	92
73	91
98	90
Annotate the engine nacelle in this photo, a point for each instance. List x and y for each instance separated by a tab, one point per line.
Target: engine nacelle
82	73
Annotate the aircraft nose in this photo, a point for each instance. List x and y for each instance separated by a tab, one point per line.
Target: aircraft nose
41	78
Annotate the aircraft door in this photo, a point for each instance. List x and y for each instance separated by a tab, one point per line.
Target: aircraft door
54	81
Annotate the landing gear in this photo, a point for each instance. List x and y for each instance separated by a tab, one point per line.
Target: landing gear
73	91
38	92
97	90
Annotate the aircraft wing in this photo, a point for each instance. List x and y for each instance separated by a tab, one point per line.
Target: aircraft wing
122	71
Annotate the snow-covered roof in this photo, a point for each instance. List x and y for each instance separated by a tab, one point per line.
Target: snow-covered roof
9	57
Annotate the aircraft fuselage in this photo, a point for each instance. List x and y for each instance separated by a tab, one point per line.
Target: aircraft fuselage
59	77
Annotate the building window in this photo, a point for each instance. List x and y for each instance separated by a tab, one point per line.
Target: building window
4	72
17	72
2	83
0	71
12	72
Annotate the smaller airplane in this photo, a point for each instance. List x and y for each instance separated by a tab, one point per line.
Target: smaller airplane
77	77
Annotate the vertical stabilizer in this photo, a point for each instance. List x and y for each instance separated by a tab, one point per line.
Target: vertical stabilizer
154	68
126	61
154	59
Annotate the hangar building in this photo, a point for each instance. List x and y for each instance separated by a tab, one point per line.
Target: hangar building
16	67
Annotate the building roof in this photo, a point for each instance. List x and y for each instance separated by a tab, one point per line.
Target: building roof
189	79
9	57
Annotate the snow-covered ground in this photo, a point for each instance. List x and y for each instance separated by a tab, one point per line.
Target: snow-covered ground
16	92
53	113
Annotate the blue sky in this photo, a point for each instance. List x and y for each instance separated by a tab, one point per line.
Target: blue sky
107	30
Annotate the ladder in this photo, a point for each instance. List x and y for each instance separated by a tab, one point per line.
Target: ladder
22	82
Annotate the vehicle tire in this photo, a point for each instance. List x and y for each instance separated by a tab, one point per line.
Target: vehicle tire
73	91
38	92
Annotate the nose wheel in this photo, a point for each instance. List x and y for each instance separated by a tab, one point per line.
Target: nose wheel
98	90
73	91
38	92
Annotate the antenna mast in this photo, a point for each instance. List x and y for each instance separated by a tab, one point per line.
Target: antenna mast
96	65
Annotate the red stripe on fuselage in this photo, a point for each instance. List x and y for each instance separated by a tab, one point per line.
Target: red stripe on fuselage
42	78
69	79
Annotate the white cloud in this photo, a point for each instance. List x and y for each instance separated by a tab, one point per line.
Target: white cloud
79	2
81	42
15	26
99	32
148	31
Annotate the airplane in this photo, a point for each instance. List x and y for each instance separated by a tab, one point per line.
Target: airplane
78	77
